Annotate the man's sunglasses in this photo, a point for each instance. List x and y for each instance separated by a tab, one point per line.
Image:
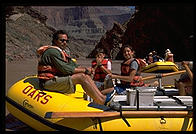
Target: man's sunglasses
63	40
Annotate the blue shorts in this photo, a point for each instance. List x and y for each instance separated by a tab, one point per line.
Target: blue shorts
121	89
100	85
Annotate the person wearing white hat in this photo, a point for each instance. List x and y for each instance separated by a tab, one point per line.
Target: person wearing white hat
167	50
169	56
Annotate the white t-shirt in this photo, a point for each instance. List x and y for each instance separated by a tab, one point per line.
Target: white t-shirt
109	65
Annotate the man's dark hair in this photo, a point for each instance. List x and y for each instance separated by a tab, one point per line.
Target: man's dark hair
56	34
100	50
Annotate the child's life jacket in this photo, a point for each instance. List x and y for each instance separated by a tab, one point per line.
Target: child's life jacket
99	73
125	71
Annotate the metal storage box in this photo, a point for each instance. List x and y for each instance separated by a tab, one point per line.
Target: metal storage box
146	96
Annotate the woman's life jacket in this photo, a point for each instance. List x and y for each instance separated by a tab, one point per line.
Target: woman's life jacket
125	71
47	72
99	73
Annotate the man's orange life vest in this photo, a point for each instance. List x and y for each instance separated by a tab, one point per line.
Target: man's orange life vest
125	71
99	73
47	72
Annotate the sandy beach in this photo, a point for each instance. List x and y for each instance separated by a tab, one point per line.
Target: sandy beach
18	70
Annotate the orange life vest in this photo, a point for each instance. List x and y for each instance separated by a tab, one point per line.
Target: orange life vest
99	73
125	71
47	72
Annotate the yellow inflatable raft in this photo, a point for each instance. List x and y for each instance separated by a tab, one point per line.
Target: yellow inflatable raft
160	67
49	111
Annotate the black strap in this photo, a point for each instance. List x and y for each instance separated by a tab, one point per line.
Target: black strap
99	120
124	119
157	104
137	98
177	100
180	102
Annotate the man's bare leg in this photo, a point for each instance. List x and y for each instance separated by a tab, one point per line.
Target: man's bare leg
108	90
89	87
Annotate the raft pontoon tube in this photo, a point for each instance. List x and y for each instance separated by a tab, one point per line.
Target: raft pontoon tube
49	111
160	67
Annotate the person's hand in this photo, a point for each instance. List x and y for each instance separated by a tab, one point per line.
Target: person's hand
99	59
88	71
110	75
185	63
140	78
92	71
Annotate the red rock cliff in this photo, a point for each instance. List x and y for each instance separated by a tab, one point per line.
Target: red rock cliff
155	28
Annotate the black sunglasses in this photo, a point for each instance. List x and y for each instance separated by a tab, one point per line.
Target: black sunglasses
63	40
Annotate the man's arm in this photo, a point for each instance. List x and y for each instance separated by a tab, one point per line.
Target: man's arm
108	69
83	70
53	57
71	68
189	72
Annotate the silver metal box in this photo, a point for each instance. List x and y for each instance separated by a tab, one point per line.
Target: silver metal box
145	94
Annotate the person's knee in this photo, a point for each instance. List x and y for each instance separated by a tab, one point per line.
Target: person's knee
181	84
80	78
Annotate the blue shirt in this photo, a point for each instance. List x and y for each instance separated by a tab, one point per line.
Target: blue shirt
134	65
